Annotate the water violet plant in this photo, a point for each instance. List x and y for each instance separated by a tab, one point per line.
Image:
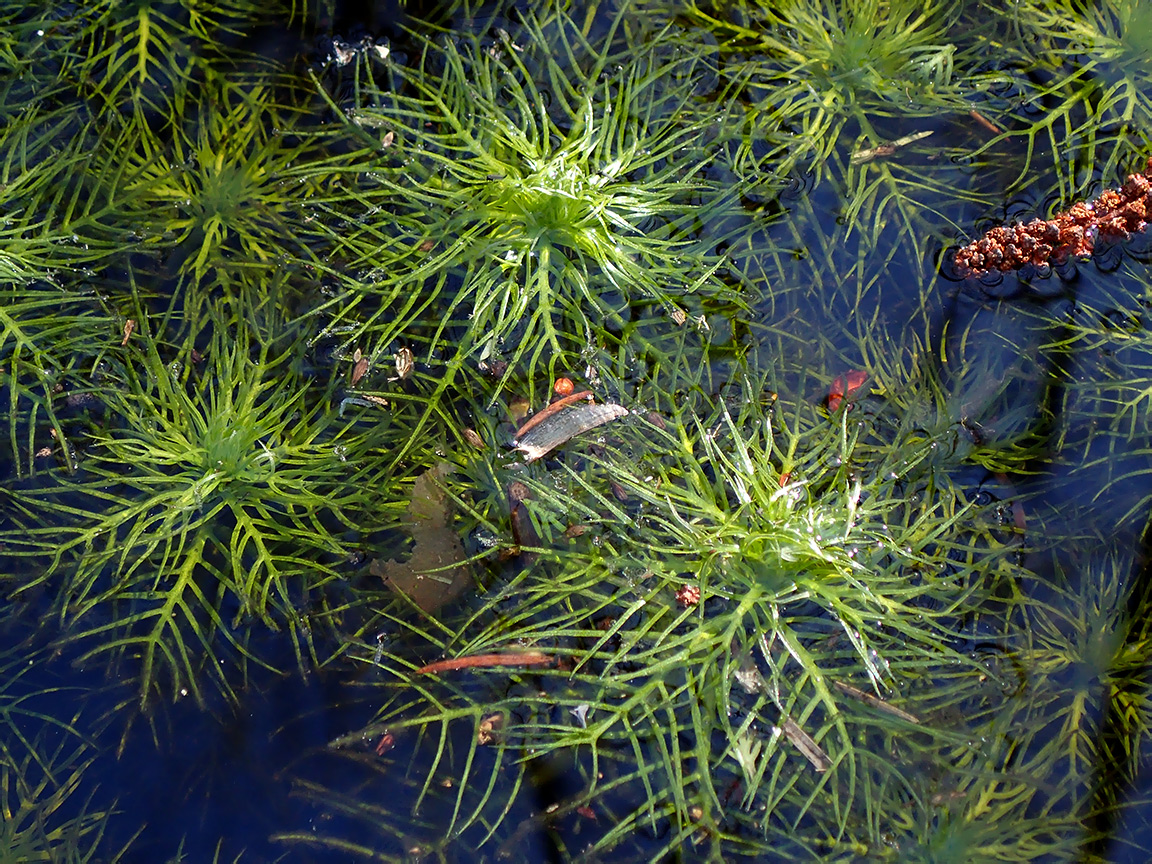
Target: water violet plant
187	521
853	571
534	186
218	186
735	578
816	68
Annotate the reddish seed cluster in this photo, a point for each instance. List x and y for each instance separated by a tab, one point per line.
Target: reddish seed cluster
1116	214
688	595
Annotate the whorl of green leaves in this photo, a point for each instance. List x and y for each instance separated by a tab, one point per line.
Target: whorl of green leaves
532	189
201	271
217	493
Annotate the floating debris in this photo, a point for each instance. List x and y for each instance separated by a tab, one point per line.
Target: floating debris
405	363
845	386
804	742
437	570
1073	233
688	595
562	421
985	122
478	661
522	531
360	365
367	400
873	701
883	150
549	410
489	729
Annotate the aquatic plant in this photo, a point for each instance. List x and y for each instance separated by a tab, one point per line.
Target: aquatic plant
1078	98
527	191
817	70
762	623
221	187
1031	788
61	204
44	760
143	56
1104	408
221	492
730	565
34	806
863	107
46	339
57	197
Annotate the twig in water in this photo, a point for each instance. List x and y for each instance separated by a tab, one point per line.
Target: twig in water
511	658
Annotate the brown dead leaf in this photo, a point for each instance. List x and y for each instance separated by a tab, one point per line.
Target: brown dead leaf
490	727
537	439
359	370
437	570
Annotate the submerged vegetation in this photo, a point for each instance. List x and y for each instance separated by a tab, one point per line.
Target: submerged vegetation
219	493
853	572
532	190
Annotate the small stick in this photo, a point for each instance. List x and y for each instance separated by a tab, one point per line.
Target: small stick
803	742
878	704
511	658
985	122
861	156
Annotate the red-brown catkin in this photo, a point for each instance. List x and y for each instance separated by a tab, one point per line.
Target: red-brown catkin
1116	214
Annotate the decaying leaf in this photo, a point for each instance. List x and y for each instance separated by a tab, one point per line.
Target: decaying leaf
803	742
490	727
522	530
359	369
845	386
437	571
562	426
878	704
405	363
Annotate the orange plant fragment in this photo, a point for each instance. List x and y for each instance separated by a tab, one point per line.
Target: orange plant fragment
845	387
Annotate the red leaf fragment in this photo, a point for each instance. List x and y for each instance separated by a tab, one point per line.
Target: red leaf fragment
561	403
510	658
845	387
